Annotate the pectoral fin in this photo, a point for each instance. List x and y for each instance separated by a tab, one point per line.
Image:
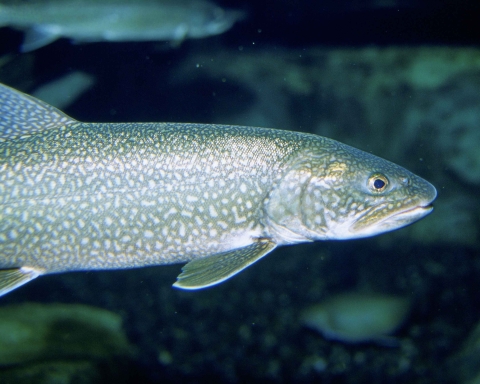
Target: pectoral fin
14	278
214	269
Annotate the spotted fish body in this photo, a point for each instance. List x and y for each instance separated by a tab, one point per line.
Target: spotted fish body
82	196
137	194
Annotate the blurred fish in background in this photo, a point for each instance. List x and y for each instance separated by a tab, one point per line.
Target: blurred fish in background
356	317
65	90
116	20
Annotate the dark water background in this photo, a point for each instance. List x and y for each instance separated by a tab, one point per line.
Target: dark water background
343	69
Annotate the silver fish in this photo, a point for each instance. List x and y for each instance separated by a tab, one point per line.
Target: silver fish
117	20
82	196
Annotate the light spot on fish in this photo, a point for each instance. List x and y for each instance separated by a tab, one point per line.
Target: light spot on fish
222	224
212	211
238	219
185	213
181	230
191	199
170	212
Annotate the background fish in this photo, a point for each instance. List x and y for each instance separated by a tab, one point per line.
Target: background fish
112	20
64	90
356	317
79	196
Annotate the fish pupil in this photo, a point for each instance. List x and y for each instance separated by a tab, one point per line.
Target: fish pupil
378	184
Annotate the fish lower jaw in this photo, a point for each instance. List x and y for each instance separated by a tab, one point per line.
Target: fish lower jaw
397	220
403	218
412	214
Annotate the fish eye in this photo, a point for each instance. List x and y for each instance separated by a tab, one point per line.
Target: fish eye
378	182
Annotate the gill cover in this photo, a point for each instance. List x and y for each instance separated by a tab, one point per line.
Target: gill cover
287	203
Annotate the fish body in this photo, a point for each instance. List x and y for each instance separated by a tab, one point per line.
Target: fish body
117	20
82	196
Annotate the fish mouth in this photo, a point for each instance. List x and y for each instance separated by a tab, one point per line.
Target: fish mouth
405	217
419	210
408	216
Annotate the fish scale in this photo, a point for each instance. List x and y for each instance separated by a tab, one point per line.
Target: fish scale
83	196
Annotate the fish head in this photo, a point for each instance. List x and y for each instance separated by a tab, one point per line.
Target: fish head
347	194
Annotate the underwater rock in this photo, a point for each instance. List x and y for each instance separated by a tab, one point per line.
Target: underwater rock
41	332
454	117
54	372
465	364
358	317
454	222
